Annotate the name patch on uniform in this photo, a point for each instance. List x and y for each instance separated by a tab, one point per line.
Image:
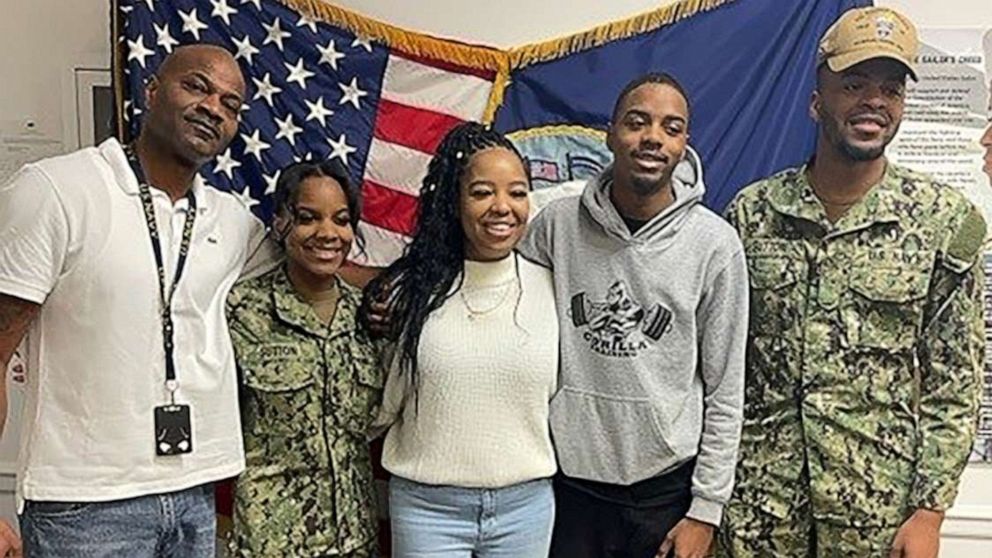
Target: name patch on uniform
277	351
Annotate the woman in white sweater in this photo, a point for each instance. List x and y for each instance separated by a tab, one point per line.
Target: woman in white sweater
475	364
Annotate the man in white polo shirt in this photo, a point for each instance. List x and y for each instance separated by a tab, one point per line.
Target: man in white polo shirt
115	262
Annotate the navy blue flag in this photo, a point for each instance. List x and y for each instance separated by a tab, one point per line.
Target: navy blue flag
747	65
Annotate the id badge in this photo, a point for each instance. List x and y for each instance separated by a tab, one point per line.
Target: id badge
173	430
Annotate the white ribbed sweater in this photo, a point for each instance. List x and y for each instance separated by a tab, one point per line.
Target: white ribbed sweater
488	366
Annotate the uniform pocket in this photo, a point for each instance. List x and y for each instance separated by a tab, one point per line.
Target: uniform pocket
886	306
767	474
279	367
774	269
770	272
360	397
366	365
281	382
613	439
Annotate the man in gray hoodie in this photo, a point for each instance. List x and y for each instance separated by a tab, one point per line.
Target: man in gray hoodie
651	292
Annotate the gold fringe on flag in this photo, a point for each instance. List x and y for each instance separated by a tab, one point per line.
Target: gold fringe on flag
416	44
558	129
556	48
496	95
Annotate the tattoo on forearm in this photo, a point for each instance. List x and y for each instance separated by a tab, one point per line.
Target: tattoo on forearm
13	313
15	317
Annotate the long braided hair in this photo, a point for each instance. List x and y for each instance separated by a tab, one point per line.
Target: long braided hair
423	278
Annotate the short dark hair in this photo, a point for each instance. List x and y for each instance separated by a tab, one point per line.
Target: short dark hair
660	78
291	178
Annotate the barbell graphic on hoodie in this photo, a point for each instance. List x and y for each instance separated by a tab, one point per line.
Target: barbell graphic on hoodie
619	314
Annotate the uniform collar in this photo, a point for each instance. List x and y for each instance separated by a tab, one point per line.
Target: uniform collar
293	310
794	197
113	152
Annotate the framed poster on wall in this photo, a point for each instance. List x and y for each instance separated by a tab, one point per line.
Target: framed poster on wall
947	132
93	118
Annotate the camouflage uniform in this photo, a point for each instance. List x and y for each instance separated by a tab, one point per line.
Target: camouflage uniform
310	392
864	353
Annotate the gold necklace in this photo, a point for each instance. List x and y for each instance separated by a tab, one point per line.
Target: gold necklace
474	313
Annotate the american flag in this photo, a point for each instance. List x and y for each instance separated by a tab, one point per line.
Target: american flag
316	90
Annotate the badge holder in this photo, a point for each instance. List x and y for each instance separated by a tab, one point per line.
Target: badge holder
173	429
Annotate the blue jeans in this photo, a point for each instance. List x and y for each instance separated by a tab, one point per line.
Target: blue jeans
452	522
177	524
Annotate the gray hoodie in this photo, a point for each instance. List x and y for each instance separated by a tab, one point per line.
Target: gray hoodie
653	330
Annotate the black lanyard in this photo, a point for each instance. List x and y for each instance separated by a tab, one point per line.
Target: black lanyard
165	298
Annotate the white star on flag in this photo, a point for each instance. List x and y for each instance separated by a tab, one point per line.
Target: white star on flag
340	149
245	49
164	38
318	111
363	42
329	54
138	51
191	24
298	73
288	129
275	34
223	11
151	5
352	93
226	164
270	182
244	196
264	88
305	21
254	144
258	3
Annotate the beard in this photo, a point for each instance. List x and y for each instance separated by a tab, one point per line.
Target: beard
645	186
857	153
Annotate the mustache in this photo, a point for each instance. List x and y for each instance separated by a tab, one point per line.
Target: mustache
879	117
205	122
650	154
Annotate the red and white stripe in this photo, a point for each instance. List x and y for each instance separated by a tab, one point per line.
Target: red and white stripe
421	100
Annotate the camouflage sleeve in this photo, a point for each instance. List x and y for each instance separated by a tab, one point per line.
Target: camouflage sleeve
951	357
242	336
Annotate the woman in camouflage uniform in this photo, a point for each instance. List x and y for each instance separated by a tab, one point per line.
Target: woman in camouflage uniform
310	383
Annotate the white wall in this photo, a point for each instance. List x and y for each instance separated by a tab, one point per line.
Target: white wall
504	23
508	23
45	39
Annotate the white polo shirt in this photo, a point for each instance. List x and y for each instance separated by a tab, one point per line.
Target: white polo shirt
73	238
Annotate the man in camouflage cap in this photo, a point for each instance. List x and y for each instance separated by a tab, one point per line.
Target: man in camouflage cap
865	342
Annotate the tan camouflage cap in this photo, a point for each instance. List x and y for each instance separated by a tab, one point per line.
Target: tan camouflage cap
865	33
